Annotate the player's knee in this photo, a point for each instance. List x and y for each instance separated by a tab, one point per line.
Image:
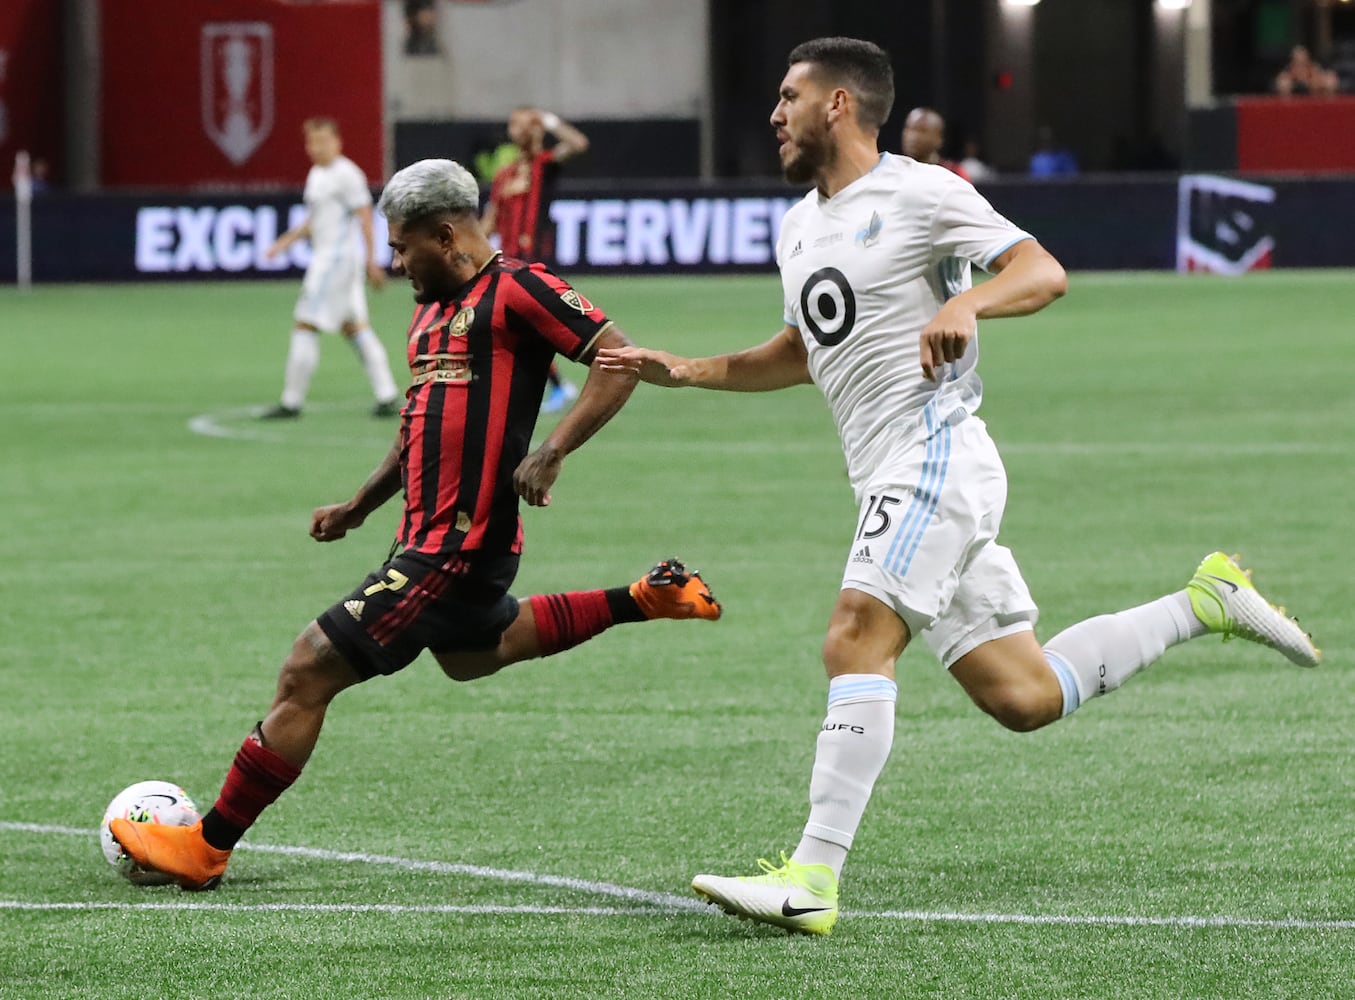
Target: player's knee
463	672
1022	708
313	672
461	667
864	636
842	646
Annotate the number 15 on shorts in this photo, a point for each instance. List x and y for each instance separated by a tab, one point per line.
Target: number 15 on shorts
876	520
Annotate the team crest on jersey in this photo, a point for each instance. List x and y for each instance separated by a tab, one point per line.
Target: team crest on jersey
461	321
870	235
237	86
574	300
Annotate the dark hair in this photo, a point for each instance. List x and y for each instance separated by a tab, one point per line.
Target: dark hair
861	67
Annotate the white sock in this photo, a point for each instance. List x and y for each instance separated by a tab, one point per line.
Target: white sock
375	363
852	749
1096	656
302	358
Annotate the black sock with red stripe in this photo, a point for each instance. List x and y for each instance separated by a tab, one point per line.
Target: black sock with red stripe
565	620
256	778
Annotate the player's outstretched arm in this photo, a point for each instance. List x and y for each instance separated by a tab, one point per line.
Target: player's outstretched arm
602	396
777	364
332	522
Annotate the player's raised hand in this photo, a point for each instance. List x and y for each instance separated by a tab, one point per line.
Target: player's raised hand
330	523
654	367
946	337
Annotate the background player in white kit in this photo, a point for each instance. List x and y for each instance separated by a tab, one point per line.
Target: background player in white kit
333	297
881	315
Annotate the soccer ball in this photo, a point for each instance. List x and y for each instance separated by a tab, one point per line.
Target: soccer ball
145	802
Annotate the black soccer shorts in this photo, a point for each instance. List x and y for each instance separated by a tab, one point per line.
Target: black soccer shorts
448	603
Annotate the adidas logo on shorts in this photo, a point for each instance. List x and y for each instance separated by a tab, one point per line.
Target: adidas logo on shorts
862	555
355	608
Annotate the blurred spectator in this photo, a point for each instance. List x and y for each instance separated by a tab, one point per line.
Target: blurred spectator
924	133
421	28
40	175
1304	76
973	164
1343	63
1049	158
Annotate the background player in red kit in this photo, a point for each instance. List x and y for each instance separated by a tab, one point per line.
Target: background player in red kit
483	336
519	201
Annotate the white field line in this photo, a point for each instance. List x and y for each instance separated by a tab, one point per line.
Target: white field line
242	424
902	916
552	911
230	424
660	900
664	900
1109	920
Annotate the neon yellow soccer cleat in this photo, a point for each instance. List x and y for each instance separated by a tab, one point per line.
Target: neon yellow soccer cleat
797	897
1226	601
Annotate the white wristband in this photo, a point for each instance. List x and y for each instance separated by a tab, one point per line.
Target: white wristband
550	120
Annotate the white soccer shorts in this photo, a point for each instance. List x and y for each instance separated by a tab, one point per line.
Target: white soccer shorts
333	294
926	542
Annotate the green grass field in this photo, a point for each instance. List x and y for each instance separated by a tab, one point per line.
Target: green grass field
533	834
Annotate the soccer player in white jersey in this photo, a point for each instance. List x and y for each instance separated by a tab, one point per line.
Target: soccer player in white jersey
881	315
338	206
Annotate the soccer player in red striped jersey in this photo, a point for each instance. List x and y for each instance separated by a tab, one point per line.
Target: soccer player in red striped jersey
519	194
483	336
519	201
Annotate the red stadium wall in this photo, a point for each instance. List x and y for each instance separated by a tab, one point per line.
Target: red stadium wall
1301	134
204	95
31	87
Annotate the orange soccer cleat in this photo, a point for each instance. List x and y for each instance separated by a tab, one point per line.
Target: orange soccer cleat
671	591
178	851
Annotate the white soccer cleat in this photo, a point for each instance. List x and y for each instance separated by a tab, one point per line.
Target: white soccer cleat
797	897
1226	601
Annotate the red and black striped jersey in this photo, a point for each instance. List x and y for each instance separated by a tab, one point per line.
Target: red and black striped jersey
520	194
478	367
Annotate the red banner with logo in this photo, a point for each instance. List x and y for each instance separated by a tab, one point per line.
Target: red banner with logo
31	85
213	95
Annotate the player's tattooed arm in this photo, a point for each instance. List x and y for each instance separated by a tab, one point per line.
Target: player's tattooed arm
333	521
602	396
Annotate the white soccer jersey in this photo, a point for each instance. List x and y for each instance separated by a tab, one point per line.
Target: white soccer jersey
333	195
862	273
